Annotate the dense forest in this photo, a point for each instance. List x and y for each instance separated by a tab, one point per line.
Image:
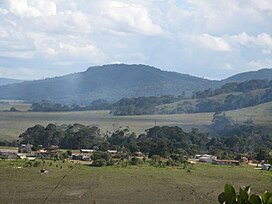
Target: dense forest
47	106
164	141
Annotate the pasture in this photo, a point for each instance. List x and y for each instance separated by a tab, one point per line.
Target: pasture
12	124
77	183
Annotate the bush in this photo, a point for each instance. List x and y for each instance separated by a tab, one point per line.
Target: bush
65	155
229	196
170	162
37	163
135	161
99	163
101	155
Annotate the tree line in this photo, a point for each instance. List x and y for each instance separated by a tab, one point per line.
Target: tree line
163	141
237	95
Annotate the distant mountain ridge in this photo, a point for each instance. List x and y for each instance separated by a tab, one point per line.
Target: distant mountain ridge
265	73
5	81
109	82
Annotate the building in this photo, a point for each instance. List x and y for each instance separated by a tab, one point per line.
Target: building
226	162
267	167
25	148
112	152
87	151
207	158
138	154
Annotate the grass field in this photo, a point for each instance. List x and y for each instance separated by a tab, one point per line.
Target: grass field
133	184
14	123
7	104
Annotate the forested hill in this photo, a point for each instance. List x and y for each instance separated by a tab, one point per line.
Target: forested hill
246	76
5	81
110	82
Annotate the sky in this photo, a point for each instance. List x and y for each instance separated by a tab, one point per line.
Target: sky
207	38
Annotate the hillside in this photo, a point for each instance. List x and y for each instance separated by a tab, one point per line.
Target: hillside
110	82
230	96
5	81
246	76
113	82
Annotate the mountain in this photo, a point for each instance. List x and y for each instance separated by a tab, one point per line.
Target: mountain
110	82
113	82
5	81
246	76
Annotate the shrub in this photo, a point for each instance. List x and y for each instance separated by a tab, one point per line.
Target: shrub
99	163
135	161
37	163
229	196
101	155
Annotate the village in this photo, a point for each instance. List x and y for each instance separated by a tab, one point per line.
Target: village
86	156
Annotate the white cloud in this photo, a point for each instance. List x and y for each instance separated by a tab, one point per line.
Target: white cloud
78	51
262	39
185	36
3	11
213	43
135	17
28	8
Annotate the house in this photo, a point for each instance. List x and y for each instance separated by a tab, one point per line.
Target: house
76	156
207	158
25	148
112	151
226	162
267	167
138	154
22	155
87	151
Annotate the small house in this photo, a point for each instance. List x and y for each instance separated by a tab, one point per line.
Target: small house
86	151
25	148
76	156
227	162
207	158
138	154
112	152
267	167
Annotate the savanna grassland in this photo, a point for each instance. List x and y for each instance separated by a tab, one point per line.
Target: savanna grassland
12	124
78	183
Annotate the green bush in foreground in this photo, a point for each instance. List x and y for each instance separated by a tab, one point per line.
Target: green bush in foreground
229	196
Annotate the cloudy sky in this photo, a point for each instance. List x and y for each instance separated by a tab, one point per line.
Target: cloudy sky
207	38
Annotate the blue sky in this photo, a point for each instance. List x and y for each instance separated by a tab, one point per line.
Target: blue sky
207	38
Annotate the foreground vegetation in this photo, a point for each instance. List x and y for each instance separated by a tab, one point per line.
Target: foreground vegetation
78	183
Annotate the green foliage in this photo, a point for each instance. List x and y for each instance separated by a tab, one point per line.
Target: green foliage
135	161
37	163
65	155
99	163
46	106
141	105
229	97
229	196
101	155
164	141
